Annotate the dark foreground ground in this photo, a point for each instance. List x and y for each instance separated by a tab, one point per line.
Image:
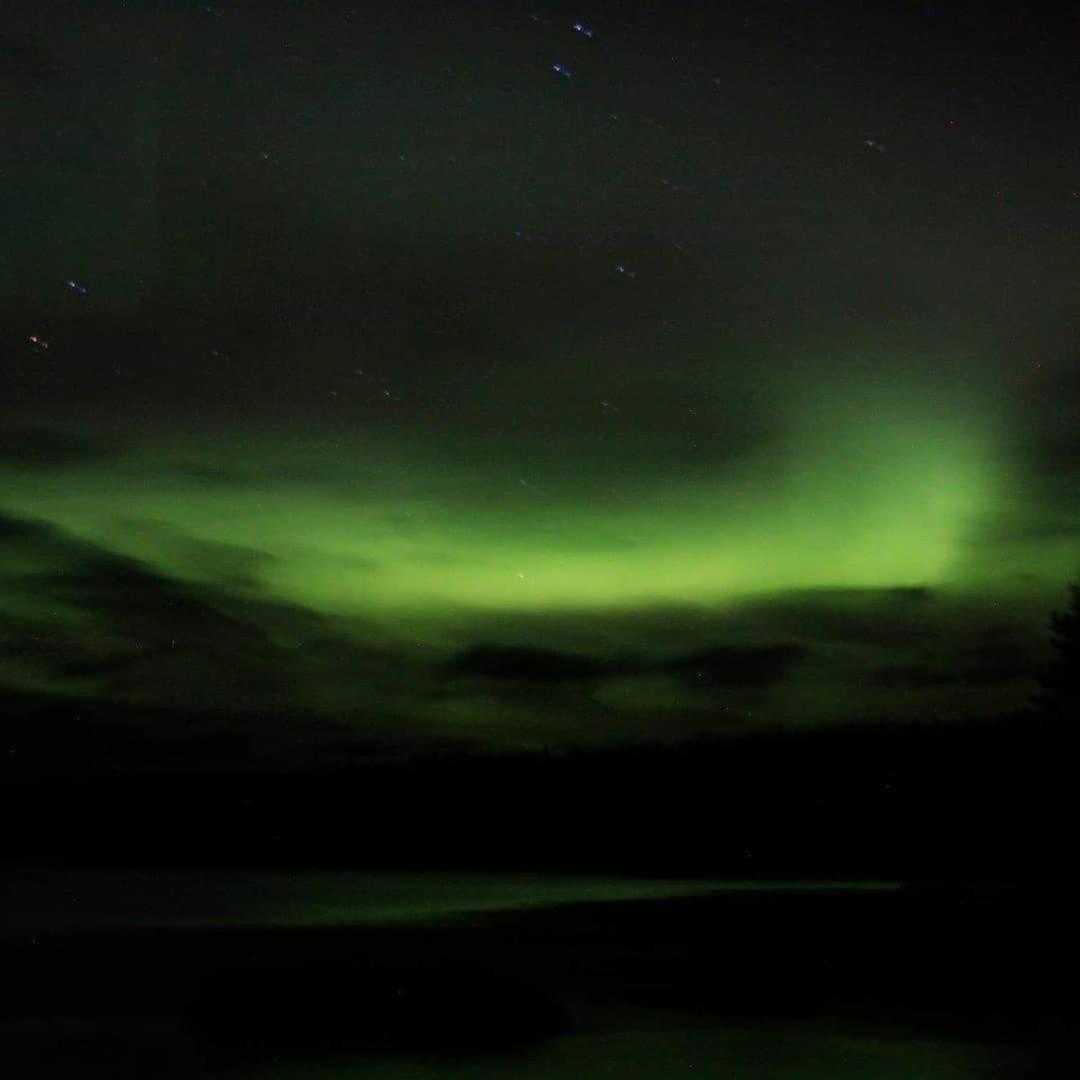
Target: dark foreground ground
919	982
933	802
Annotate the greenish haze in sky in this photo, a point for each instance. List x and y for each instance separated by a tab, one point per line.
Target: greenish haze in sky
343	344
365	527
422	547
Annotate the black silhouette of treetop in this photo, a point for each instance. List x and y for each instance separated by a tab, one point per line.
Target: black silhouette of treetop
1059	696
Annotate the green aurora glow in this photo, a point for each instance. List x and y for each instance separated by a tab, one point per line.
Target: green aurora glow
344	401
377	529
425	546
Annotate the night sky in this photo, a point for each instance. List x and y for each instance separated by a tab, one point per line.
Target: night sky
524	375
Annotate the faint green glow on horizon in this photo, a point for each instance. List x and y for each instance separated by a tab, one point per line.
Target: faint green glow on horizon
391	528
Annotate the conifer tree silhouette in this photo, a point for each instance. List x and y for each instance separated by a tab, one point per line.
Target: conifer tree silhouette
1058	698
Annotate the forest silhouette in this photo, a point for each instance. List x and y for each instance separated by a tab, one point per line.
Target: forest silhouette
909	799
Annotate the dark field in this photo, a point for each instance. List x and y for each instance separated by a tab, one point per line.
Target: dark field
478	980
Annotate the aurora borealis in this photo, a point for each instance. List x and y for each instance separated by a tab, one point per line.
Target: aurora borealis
340	342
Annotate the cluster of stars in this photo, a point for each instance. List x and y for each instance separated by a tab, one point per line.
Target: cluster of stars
563	71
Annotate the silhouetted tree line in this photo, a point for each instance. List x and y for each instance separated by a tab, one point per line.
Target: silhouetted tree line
1058	699
976	799
892	801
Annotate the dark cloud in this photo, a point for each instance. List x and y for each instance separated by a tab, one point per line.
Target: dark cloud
886	617
729	665
742	666
44	448
910	677
15	528
1035	532
89	621
231	566
144	636
37	646
997	654
529	665
1001	652
46	545
134	631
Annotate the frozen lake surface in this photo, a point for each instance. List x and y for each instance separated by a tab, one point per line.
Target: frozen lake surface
302	976
38	899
